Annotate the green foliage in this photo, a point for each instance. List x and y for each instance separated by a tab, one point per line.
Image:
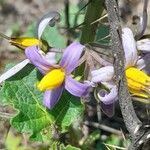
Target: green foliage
21	92
93	12
101	35
52	34
76	17
89	142
49	35
32	116
54	38
68	109
115	141
57	146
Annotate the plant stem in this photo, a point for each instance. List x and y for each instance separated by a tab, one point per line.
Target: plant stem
138	133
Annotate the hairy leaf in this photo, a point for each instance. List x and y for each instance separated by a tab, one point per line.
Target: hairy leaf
68	109
20	90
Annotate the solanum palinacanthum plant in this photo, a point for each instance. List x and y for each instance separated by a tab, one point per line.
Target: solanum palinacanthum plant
54	97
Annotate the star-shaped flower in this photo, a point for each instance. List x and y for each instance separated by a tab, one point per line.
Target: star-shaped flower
58	76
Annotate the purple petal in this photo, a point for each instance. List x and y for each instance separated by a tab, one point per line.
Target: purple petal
144	63
51	57
76	88
129	46
71	56
14	70
140	64
108	97
103	74
51	97
108	109
50	18
143	45
37	59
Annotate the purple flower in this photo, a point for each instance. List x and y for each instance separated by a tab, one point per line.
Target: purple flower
138	81
58	76
107	97
48	19
143	45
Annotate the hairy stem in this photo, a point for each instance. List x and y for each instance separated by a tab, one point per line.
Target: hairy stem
133	124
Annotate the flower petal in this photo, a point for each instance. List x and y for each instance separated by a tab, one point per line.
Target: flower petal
103	74
50	19
108	97
51	57
140	64
129	46
108	109
71	56
51	97
39	60
143	45
144	63
76	88
14	70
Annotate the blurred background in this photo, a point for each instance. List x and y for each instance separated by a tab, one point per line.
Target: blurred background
16	17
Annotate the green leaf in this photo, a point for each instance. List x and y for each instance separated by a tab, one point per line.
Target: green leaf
21	92
50	34
89	142
114	140
56	146
102	35
53	37
68	109
76	17
69	147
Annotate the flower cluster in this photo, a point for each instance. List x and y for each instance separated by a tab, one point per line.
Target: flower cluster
136	70
58	75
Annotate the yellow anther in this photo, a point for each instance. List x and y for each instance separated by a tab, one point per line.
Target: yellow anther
24	42
138	82
138	93
52	80
138	76
135	85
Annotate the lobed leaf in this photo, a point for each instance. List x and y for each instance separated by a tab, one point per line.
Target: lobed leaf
20	90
